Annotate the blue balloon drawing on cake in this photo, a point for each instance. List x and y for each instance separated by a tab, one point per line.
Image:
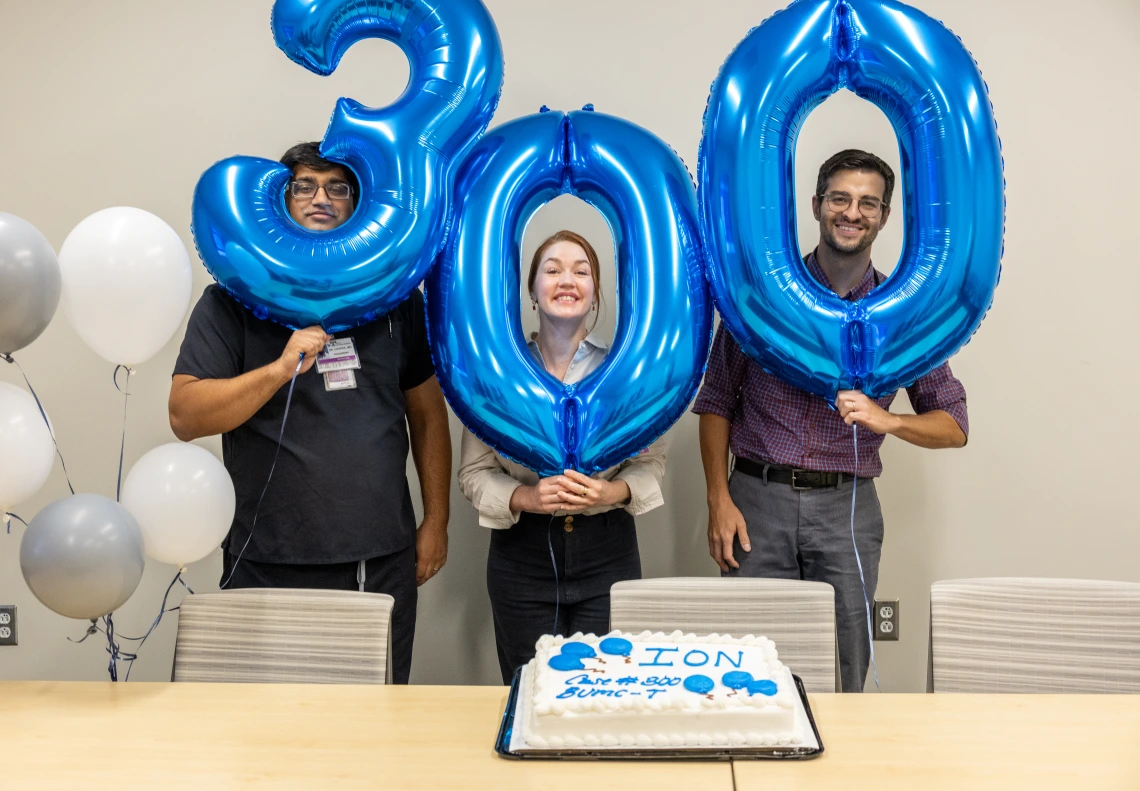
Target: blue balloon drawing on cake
580	650
736	679
700	684
566	662
571	656
616	646
762	687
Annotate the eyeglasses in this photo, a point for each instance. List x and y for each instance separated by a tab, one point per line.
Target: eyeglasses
841	201
336	190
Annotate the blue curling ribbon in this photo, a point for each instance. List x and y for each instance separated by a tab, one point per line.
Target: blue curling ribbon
10	359
272	467
125	390
859	562
8	515
158	618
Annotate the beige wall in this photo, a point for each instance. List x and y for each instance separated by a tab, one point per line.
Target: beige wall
127	101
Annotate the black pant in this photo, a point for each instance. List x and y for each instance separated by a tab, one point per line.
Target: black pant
393	574
591	553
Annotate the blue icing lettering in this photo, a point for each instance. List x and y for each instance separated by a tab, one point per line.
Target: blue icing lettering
727	658
580	650
586	681
564	662
703	661
627	680
702	685
567	693
653	692
762	687
616	646
736	679
657	659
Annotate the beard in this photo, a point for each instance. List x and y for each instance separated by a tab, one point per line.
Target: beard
848	246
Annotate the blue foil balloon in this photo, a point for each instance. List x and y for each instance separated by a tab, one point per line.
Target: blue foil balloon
664	323
919	74
405	156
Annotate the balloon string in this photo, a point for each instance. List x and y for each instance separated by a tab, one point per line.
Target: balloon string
161	611
553	565
859	563
114	650
272	467
125	390
10	359
112	647
92	629
8	516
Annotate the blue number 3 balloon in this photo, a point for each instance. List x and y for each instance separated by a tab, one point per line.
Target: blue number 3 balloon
927	84
404	155
664	319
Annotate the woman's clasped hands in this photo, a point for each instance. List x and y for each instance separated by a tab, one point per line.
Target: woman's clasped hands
571	492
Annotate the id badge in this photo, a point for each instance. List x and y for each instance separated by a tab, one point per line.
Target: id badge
340	380
338	355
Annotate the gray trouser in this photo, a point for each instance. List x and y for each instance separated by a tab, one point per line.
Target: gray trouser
806	534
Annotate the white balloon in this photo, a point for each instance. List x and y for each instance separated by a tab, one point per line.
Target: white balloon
26	447
126	283
183	499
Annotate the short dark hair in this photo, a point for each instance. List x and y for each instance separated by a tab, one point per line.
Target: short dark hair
309	155
854	159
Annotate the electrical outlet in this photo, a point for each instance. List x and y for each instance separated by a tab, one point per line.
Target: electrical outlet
886	619
8	634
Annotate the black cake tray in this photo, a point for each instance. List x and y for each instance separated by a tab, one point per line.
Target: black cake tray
503	742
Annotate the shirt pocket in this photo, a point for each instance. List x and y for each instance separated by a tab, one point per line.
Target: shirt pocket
381	351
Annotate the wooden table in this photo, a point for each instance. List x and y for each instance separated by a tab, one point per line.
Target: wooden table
94	735
933	742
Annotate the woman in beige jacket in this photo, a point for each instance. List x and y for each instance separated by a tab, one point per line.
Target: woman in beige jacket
559	543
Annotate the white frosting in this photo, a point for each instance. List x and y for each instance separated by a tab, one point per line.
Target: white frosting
641	699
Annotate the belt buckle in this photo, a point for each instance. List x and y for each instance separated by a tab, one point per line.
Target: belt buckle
795	485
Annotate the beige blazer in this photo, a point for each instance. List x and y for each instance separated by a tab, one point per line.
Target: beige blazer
488	480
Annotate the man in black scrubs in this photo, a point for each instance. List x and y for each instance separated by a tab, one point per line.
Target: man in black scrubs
338	513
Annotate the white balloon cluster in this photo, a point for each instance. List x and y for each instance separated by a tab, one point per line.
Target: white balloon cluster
126	283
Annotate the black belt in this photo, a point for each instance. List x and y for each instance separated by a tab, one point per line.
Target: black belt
796	478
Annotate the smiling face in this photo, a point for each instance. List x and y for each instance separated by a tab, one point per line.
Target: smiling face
319	212
849	232
564	283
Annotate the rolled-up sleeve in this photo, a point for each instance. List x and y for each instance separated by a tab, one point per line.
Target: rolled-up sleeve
940	389
720	392
644	474
483	482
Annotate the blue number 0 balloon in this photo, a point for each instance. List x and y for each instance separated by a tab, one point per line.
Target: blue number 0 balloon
664	317
927	84
404	155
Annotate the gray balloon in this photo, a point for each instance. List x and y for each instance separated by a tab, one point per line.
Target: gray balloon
82	556
29	283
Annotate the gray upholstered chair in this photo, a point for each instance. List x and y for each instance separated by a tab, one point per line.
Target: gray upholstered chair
282	635
798	616
1034	635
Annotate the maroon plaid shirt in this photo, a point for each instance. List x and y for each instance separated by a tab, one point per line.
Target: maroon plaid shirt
776	423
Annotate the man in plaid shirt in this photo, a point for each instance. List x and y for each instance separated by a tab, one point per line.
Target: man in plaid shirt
790	487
